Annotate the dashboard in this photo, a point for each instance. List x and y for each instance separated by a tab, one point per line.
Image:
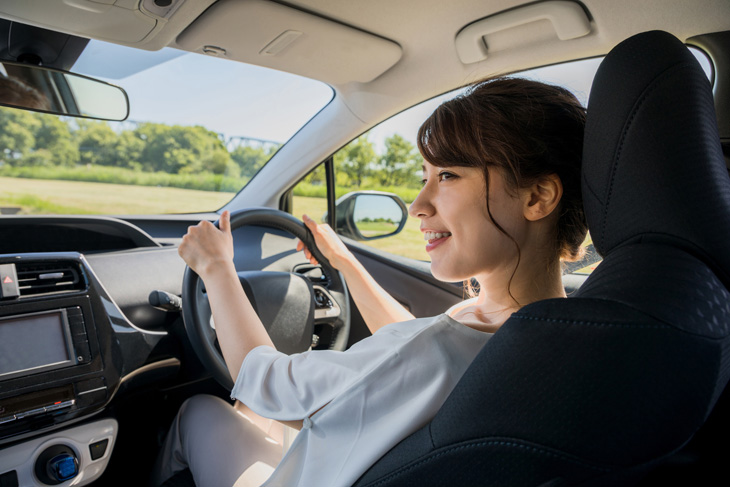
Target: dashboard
77	332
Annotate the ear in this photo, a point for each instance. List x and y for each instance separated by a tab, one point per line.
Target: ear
541	199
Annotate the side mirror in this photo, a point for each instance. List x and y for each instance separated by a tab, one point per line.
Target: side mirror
59	92
369	215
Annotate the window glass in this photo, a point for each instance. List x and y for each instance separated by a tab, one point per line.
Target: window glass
199	129
386	158
309	196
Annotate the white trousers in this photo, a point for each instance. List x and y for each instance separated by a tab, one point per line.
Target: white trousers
221	446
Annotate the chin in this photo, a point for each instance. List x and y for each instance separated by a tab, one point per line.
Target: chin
445	273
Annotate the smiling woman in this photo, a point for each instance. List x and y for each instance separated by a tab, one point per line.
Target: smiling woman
181	150
488	215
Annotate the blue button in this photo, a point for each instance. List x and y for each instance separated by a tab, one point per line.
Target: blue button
64	467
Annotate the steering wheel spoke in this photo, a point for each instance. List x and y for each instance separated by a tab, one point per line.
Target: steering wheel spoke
326	309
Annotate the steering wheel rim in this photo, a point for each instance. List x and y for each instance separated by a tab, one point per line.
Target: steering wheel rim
195	304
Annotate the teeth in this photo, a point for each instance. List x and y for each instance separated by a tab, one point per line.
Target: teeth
435	235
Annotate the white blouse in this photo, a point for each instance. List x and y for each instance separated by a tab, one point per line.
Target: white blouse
360	403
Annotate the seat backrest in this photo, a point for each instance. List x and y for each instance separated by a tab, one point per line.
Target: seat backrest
599	388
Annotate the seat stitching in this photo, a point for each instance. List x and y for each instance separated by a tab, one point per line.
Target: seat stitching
486	443
589	323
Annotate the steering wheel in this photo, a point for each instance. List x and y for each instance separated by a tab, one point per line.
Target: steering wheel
289	304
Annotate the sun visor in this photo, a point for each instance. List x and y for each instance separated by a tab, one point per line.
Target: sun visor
279	37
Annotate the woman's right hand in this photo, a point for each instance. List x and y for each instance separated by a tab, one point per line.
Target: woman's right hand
328	243
205	247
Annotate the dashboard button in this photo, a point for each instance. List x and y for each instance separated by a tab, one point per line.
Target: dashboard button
98	449
73	311
63	467
83	353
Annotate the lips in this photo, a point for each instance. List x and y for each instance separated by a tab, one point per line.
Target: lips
435	239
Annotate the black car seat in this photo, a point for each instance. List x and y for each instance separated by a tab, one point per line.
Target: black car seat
602	387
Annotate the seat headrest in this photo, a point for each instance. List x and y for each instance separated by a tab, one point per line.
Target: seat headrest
653	168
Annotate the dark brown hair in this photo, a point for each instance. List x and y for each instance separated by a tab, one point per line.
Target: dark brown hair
524	128
15	93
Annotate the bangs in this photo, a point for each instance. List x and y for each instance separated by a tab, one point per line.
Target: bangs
449	136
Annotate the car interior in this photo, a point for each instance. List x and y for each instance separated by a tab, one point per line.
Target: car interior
104	332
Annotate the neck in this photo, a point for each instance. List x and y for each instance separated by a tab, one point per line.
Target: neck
531	282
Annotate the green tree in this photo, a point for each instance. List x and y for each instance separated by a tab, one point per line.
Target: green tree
219	162
250	159
400	163
177	149
97	143
128	150
54	135
356	160
39	158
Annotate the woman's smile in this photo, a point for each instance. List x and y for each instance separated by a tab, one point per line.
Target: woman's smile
435	239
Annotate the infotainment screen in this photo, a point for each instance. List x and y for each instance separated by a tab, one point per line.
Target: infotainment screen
34	343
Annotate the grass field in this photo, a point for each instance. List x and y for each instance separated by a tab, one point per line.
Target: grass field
40	196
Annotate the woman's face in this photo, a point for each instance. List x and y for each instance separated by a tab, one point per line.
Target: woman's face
461	238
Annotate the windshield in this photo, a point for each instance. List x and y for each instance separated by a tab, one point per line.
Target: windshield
199	129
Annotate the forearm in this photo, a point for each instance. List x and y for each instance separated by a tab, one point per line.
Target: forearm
377	307
237	325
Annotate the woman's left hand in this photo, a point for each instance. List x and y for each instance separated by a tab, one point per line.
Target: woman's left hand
206	247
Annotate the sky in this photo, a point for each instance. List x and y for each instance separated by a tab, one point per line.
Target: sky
227	97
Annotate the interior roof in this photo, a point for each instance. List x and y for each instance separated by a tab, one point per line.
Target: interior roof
425	30
429	32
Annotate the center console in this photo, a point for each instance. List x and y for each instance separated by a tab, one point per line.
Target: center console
57	367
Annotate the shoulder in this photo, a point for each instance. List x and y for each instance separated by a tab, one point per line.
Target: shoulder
412	327
460	305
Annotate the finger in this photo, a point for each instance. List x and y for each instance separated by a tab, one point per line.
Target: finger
300	245
225	222
311	224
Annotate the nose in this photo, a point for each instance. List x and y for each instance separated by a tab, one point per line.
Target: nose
422	206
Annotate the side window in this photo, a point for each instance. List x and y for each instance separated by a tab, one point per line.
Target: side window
386	159
309	196
383	159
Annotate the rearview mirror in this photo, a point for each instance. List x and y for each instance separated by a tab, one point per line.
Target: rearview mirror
369	215
61	93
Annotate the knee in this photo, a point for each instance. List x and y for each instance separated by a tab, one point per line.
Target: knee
201	407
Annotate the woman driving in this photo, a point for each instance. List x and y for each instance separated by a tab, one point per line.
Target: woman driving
500	206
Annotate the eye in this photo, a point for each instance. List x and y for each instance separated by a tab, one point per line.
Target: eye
444	175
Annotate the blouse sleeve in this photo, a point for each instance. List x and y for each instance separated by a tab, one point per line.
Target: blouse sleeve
293	387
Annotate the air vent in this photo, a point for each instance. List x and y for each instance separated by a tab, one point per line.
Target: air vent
49	278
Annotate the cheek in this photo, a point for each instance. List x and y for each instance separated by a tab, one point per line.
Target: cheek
507	212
